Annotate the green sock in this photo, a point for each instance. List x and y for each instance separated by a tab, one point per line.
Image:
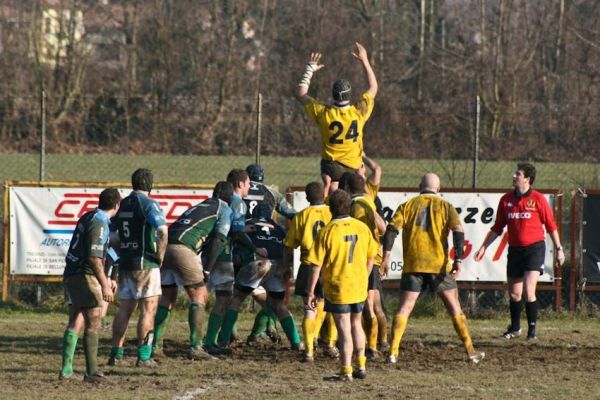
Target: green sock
144	351
214	324
117	352
195	317
272	321
260	324
68	351
90	347
289	327
227	328
160	325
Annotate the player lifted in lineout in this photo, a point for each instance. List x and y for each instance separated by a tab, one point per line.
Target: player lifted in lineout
341	123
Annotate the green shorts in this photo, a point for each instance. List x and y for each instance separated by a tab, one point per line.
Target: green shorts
420	282
83	291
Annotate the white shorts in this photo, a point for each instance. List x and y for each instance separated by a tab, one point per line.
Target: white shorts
221	277
139	284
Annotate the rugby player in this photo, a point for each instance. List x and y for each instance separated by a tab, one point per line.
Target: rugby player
302	233
261	193
344	250
425	221
221	278
364	209
143	240
188	237
86	285
525	213
341	123
268	273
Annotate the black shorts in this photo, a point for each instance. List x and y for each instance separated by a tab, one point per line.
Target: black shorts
276	295
355	308
303	281
335	169
375	278
421	282
529	258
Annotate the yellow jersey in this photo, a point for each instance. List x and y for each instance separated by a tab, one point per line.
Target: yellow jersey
372	189
341	128
342	249
304	228
425	221
364	209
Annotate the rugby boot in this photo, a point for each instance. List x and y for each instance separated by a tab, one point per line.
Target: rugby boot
96	378
531	334
273	335
392	359
372	354
359	373
68	376
298	346
114	360
511	333
477	357
149	363
198	353
340	378
331	351
384	347
218	350
158	352
308	358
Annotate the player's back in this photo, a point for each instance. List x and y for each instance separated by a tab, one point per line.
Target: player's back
196	223
305	226
425	221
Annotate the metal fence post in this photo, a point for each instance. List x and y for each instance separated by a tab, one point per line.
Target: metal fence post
476	142
258	125
38	292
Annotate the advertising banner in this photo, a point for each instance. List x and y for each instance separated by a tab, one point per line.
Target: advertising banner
477	212
42	220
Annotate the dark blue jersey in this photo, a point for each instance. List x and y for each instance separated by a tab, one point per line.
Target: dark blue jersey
260	193
90	239
264	233
138	219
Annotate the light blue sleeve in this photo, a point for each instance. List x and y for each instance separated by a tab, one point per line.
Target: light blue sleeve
154	214
238	219
223	223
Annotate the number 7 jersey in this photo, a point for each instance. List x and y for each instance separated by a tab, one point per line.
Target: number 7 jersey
341	128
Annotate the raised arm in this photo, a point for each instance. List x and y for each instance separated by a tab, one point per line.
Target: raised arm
375	175
361	55
312	67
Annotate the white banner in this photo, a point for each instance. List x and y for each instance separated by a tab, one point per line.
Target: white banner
477	212
42	220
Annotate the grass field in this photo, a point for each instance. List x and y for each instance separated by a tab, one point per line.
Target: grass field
286	171
563	364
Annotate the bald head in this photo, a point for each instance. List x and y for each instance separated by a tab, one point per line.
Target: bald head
430	182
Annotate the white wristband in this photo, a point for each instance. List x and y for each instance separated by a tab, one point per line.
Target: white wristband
308	73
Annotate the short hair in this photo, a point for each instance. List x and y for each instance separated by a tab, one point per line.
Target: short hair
528	171
356	184
237	176
142	179
109	198
343	182
314	192
224	191
339	203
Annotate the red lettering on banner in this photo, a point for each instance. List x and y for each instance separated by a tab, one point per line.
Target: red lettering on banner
468	247
501	247
58	211
172	213
88	206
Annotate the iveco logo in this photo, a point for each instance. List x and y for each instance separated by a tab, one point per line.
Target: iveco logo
521	215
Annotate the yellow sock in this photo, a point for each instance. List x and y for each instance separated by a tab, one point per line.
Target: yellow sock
308	330
373	332
460	325
332	333
397	331
319	319
346	370
361	362
382	328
